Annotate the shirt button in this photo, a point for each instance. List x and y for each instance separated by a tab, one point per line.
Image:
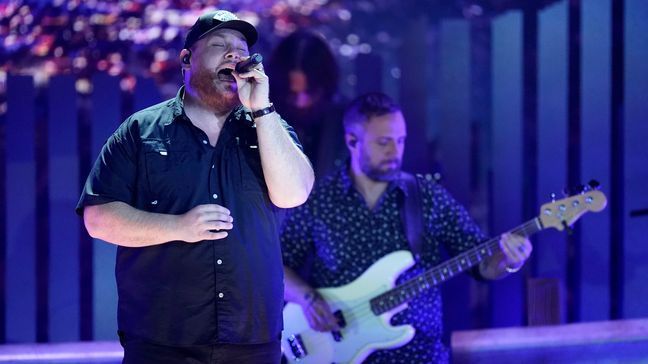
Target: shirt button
213	166
220	295
219	262
215	196
205	142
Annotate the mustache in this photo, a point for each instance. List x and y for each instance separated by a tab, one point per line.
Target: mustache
221	66
391	161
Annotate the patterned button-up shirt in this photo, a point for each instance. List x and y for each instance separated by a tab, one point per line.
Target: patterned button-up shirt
341	237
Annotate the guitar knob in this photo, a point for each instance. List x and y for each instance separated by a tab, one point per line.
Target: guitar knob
553	197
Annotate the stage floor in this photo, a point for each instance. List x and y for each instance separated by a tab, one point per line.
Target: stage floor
107	352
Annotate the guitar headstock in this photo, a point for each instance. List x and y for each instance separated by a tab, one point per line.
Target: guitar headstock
563	213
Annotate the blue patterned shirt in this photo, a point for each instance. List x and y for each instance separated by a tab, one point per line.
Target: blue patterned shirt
341	237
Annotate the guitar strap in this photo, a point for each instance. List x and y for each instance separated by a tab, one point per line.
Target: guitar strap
412	213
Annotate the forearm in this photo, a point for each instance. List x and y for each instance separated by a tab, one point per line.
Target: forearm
288	173
295	288
121	224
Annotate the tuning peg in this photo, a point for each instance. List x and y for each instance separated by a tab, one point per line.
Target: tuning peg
594	184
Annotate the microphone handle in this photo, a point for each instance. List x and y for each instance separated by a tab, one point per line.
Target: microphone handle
248	64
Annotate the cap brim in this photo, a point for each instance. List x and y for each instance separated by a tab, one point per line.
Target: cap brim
247	29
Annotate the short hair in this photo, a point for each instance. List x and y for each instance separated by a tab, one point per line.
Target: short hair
367	106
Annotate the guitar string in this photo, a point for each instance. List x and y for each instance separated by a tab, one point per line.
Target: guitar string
474	254
414	286
364	309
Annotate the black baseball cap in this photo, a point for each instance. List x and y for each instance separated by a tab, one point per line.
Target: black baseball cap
220	19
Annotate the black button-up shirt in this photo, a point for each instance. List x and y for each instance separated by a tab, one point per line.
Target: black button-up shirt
340	238
221	291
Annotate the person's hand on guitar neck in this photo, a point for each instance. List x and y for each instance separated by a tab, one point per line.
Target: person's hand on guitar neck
316	310
514	252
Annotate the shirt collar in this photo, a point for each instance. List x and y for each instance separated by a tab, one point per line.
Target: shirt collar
177	105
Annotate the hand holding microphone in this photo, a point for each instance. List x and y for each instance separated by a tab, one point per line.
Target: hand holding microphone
253	88
248	64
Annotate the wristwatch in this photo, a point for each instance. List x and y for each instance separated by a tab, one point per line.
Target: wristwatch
265	111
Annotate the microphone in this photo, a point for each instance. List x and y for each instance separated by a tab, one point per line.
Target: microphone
248	64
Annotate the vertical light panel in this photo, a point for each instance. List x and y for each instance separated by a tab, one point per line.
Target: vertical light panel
3	228
507	296
105	116
64	224
390	73
414	94
432	79
348	81
454	145
369	72
551	247
636	159
146	94
595	153
454	93
21	211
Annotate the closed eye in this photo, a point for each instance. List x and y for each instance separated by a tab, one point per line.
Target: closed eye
383	142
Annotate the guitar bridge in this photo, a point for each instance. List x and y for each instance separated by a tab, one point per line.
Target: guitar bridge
297	346
339	317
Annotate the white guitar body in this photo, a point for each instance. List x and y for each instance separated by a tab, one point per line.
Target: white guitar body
364	332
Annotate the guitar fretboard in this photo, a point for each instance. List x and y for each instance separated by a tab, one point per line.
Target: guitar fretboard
410	289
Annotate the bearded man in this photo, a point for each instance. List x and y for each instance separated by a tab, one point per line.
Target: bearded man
356	217
192	191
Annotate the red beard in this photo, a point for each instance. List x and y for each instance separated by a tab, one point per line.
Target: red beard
220	96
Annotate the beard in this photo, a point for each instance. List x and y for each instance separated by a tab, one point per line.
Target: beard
378	172
220	99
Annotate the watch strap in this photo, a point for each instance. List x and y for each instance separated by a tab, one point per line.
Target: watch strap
265	111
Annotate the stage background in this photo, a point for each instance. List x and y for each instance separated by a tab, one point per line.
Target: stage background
507	103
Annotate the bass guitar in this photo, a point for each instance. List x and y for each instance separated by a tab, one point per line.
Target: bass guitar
365	306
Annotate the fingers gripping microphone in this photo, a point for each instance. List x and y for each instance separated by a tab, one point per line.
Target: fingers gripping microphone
248	64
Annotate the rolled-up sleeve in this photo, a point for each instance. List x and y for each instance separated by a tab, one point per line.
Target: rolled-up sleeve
114	173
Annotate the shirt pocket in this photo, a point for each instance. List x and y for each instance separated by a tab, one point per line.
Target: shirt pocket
250	170
165	169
